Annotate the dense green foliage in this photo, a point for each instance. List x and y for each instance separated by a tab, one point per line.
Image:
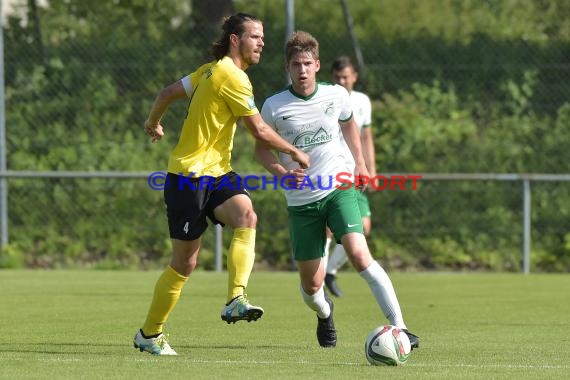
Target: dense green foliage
458	86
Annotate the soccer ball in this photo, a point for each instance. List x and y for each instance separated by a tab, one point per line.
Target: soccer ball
387	345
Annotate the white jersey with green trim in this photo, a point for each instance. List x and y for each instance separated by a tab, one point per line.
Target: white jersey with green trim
362	111
310	123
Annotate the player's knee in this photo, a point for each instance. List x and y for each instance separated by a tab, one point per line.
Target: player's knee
360	258
184	267
248	219
189	267
311	288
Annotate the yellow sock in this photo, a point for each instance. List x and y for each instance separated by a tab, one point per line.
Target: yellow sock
240	261
166	293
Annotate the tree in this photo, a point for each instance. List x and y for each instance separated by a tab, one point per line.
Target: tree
208	16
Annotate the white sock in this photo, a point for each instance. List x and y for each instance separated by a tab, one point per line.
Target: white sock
337	259
383	291
326	256
317	302
327	246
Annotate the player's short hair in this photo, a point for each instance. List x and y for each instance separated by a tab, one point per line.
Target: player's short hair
232	25
301	41
341	63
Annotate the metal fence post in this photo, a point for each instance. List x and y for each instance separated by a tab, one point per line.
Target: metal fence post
3	147
218	238
289	26
526	226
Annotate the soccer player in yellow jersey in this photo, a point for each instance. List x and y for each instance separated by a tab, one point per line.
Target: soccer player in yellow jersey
200	181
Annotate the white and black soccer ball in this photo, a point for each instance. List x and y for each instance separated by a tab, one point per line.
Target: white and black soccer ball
387	345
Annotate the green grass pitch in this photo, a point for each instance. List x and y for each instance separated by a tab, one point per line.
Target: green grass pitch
80	324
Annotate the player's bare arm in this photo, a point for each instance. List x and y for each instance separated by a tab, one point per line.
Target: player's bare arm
368	152
264	133
352	138
167	95
270	162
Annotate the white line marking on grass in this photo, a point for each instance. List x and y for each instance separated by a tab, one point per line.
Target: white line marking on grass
504	366
273	362
51	359
302	362
270	362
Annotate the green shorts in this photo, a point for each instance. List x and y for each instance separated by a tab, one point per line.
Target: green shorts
338	210
363	204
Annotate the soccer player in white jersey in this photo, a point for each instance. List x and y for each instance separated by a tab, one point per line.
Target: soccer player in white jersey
307	114
344	73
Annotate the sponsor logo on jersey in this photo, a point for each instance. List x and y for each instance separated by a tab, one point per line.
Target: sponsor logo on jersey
328	108
310	138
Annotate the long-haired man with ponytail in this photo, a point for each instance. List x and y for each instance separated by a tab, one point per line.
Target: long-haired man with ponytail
200	183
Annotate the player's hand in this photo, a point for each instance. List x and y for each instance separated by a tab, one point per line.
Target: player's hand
361	177
153	130
372	186
294	178
301	157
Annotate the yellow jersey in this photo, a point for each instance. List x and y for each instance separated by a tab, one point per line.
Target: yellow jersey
222	93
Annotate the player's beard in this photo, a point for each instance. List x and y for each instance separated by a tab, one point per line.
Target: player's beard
248	56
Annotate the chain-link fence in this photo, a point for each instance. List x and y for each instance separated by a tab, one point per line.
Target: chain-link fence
116	220
460	86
